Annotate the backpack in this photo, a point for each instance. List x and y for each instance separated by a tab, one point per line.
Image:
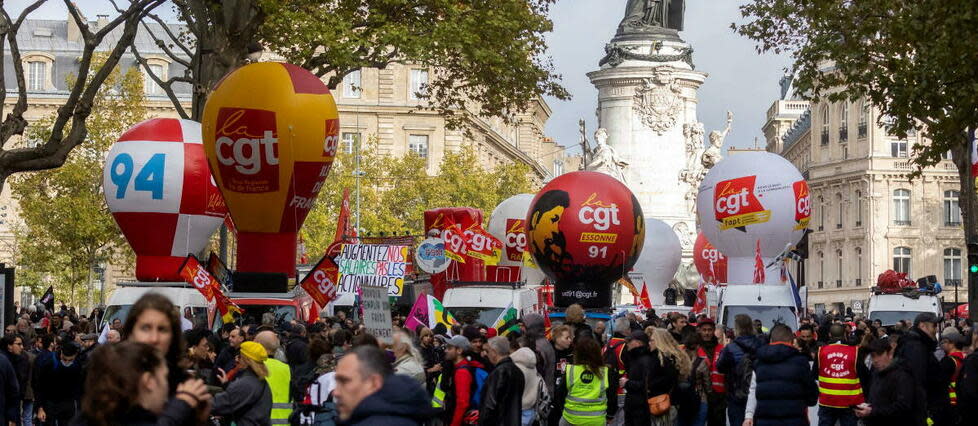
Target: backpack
743	373
543	399
479	376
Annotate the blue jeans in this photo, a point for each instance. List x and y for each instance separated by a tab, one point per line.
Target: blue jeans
27	413
527	416
828	416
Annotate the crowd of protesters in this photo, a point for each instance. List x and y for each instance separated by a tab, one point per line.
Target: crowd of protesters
156	368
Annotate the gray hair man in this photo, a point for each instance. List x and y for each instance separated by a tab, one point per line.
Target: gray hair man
502	401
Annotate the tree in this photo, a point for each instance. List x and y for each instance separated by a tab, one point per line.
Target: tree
489	56
68	128
67	226
395	191
914	60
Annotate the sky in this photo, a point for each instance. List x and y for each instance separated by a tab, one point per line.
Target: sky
740	80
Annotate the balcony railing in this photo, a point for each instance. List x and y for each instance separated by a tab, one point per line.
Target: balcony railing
843	135
838	283
821	228
953	283
859	282
825	137
901	222
821	284
838	226
953	223
862	130
859	223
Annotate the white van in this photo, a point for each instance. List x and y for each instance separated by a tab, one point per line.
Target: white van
485	301
181	294
891	308
769	303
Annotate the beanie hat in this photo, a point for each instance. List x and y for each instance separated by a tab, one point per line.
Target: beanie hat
254	351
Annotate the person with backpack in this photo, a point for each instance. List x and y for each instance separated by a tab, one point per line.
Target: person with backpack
694	388
951	365
736	363
613	358
840	374
501	402
457	388
526	360
780	387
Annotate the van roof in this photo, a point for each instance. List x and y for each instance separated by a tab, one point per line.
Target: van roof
757	295
180	296
480	297
899	302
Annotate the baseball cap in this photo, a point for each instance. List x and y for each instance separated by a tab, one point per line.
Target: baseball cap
459	342
925	317
639	335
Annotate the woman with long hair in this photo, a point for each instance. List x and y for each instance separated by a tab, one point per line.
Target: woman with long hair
591	394
127	385
669	363
153	320
248	399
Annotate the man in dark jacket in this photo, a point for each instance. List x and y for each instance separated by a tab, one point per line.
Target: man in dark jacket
780	388
732	355
297	350
58	384
639	363
368	393
968	390
10	394
503	391
916	349
894	398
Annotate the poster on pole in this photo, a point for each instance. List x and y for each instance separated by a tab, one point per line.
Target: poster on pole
372	265
377	312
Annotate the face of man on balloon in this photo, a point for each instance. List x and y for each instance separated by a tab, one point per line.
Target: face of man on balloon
545	220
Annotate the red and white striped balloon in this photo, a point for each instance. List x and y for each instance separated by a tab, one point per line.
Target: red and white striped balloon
158	186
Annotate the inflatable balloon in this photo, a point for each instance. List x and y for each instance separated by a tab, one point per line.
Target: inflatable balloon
270	132
659	261
749	198
704	254
159	188
508	224
585	230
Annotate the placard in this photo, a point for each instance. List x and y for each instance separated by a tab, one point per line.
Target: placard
372	265
377	312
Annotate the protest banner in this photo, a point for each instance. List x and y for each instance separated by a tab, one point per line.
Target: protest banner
320	282
377	312
372	265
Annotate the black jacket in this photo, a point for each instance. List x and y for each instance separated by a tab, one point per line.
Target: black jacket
730	357
247	400
401	401
176	413
895	398
784	386
968	390
647	377
502	395
10	394
56	383
297	351
916	349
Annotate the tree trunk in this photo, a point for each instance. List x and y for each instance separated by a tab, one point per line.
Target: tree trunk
968	202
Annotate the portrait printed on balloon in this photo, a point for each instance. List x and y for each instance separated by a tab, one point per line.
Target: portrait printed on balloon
585	230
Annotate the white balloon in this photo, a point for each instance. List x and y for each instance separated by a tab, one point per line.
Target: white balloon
661	255
508	224
751	197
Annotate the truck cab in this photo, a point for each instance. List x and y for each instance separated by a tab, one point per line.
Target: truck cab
292	305
771	304
891	308
486	300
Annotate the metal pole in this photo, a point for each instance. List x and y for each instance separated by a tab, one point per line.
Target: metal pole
357	173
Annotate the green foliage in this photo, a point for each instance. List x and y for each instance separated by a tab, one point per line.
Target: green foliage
67	226
915	60
489	55
395	191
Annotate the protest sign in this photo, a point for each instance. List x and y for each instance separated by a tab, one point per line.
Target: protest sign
377	312
372	265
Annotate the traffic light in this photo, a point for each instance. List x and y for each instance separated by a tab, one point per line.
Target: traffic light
973	268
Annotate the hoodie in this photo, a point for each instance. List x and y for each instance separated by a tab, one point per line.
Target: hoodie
401	401
536	327
526	361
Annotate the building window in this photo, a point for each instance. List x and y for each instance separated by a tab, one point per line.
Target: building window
898	148
952	210
821	269
351	85
418	144
37	75
821	213
844	122
149	85
558	168
859	208
825	125
419	81
842	210
947	156
820	308
952	267
901	207
350	140
901	260
863	118
838	254
859	266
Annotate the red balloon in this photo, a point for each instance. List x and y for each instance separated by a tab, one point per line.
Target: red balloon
703	255
585	230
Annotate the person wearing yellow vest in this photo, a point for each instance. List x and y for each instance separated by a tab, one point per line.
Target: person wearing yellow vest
591	397
279	378
839	369
953	345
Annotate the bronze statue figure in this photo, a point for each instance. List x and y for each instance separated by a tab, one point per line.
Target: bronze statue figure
642	15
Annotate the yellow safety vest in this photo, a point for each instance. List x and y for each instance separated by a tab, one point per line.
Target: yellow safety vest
438	397
587	402
278	379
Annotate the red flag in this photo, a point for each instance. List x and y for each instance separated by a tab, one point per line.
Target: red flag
646	302
344	228
758	264
455	247
700	305
482	245
322	281
196	275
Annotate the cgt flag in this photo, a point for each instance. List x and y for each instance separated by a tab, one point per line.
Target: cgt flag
482	245
321	281
454	240
197	275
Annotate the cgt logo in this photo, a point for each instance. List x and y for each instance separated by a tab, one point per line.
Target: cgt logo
711	254
515	240
332	140
803	204
247	149
595	212
736	206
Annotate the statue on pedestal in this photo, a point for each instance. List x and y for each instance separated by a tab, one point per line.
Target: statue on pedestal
604	158
643	15
712	154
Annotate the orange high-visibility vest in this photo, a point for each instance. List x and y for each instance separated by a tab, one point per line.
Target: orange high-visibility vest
716	379
952	389
838	379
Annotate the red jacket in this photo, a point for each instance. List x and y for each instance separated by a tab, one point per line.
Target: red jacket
462	389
